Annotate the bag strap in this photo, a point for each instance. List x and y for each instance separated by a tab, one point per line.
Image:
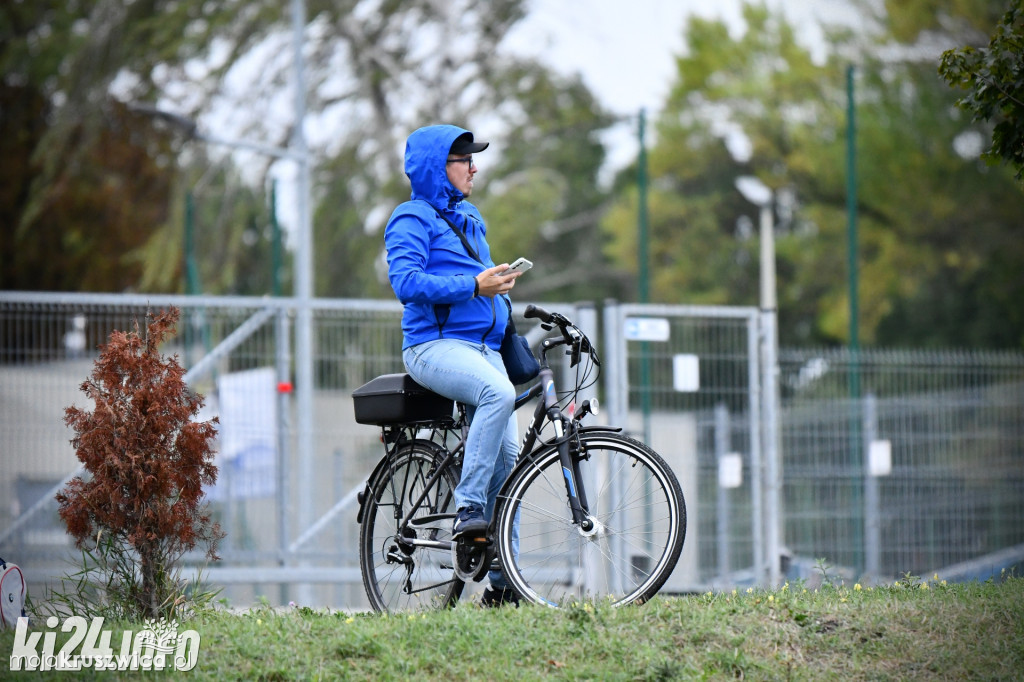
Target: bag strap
462	237
511	322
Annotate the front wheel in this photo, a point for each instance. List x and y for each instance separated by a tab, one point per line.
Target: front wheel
638	515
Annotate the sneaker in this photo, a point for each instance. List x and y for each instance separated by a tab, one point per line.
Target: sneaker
469	520
493	598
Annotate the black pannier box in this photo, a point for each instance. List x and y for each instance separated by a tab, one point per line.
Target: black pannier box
398	399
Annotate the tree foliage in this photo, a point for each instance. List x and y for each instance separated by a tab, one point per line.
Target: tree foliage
540	192
79	231
763	89
994	80
418	63
85	181
374	72
147	462
909	22
227	222
937	231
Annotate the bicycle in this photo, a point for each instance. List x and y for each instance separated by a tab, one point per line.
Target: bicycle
599	515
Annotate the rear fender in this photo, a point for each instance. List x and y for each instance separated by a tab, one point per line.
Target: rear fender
382	465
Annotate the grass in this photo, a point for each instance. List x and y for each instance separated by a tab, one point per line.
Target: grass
912	630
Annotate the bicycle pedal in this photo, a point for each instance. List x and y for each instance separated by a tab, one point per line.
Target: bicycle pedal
476	542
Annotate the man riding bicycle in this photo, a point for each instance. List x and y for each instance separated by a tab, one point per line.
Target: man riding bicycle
454	317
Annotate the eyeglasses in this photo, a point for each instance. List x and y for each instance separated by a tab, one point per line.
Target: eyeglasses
468	160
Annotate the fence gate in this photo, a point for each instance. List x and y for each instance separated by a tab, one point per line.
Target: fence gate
687	381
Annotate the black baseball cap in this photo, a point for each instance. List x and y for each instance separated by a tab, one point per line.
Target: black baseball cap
464	144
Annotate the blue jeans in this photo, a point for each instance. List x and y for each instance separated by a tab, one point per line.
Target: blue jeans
474	375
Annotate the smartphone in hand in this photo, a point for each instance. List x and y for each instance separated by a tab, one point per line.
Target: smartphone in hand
519	265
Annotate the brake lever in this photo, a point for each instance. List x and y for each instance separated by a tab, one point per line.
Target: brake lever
573	338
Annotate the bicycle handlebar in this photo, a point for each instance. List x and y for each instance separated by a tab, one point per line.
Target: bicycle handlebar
572	334
538	312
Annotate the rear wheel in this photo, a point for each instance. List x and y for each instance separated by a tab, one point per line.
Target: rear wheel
638	515
398	573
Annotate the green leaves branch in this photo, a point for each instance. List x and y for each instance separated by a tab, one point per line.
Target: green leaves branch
994	80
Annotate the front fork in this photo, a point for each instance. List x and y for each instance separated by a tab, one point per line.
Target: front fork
570	464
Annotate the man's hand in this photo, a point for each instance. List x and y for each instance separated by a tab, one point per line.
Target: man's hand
491	282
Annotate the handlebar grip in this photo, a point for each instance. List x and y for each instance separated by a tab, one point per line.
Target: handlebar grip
538	312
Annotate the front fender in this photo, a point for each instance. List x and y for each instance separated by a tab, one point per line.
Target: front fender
582	429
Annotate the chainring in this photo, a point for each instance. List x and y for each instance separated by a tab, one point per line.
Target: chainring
472	559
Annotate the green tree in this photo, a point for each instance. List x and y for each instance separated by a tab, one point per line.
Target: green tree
994	80
232	237
761	87
374	72
79	231
938	233
85	181
909	22
540	171
541	195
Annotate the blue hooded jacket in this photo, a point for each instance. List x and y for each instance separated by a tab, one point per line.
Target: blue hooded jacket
429	268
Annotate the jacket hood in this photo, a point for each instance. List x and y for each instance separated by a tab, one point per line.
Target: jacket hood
426	156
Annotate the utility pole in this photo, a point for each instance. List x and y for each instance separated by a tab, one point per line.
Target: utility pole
643	239
858	456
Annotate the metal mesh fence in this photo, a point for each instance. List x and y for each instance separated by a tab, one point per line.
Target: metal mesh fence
902	462
48	344
47	347
891	462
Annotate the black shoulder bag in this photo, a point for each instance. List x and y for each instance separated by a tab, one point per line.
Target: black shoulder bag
521	364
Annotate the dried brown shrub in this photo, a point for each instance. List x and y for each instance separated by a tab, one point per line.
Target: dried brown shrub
148	462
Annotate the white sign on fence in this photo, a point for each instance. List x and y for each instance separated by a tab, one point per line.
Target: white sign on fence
646	329
880	458
247	456
730	470
686	373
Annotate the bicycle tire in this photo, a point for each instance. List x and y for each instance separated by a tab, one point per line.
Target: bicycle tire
640	512
400	577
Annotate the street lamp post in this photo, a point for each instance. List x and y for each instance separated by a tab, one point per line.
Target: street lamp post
191	130
303	288
759	194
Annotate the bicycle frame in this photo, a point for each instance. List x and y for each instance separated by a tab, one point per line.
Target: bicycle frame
547	410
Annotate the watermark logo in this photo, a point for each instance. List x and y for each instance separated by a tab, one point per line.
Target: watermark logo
159	646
